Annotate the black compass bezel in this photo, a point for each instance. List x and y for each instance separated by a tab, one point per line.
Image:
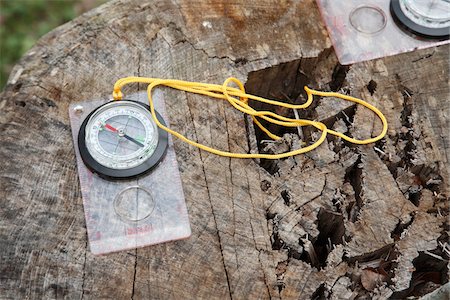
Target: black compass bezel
123	174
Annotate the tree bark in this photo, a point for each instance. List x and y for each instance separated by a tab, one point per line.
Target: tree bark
342	221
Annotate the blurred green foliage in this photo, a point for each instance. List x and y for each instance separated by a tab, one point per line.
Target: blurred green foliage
23	22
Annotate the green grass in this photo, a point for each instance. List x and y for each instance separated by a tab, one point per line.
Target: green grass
23	22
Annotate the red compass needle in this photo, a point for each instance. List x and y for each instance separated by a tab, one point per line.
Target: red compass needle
111	128
121	133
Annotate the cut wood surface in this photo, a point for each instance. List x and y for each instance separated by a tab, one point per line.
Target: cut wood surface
340	222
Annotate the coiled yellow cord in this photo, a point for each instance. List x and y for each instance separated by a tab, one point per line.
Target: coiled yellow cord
228	93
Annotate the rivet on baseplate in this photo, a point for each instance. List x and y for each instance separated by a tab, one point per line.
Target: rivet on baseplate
78	109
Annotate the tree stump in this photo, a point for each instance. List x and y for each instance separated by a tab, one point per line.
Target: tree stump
342	221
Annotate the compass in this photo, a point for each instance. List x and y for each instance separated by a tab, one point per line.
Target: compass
120	140
427	18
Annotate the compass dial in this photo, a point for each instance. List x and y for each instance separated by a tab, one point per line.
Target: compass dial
121	140
428	13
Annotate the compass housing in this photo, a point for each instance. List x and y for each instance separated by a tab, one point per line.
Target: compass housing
123	173
430	32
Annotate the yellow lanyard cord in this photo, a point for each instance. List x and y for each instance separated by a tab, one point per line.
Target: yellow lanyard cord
238	98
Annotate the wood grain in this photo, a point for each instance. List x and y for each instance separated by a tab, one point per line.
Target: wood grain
299	228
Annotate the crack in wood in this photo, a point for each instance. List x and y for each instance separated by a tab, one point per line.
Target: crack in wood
430	272
319	293
372	86
338	77
134	274
424	57
354	176
408	166
230	291
84	268
402	228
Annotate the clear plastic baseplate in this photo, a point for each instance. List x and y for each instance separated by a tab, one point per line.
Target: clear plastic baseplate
362	30
129	214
